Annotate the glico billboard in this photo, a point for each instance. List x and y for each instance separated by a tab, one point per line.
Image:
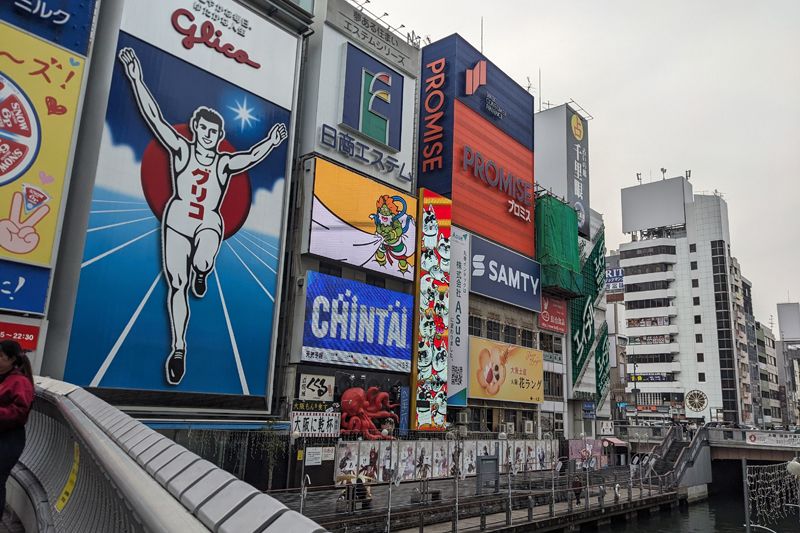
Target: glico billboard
476	143
179	278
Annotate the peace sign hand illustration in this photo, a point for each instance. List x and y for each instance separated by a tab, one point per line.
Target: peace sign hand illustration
20	237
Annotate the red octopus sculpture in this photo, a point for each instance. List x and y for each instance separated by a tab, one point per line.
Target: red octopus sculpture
359	408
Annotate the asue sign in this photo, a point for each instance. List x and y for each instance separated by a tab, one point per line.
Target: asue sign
505	275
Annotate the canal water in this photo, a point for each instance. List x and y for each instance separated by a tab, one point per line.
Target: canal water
722	512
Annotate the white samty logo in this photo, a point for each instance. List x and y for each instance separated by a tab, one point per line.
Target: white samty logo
477	265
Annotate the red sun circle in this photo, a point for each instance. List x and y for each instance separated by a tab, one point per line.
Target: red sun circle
157	184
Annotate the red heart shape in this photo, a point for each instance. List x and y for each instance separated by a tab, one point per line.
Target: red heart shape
53	107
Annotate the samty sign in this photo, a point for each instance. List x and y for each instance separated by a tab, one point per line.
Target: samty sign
504	275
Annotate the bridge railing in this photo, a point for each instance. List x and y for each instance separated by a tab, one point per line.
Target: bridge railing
688	454
89	467
650	434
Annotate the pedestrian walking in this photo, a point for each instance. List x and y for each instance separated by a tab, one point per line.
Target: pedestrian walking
16	397
577	487
692	431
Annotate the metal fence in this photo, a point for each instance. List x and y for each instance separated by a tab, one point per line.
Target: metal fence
495	495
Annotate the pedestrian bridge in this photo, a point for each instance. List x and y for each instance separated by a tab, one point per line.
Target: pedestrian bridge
88	467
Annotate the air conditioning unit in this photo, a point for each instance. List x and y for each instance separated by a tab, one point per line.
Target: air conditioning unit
462	418
509	427
528	427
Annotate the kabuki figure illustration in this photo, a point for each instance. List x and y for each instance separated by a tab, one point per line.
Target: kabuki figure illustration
389	227
192	228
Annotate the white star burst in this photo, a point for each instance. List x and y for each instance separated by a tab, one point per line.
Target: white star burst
243	113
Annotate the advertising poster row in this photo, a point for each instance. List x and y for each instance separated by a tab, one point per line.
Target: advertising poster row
180	271
385	461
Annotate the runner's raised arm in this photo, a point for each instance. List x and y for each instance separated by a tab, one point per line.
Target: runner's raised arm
148	106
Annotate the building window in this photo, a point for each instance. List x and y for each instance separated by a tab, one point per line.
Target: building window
376	281
692	247
493	330
698	319
701	377
546	342
698	337
696	300
475	326
526	338
693	265
695	283
510	335
701	358
553	384
330	270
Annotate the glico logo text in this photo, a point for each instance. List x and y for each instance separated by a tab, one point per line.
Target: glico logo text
488	171
373	98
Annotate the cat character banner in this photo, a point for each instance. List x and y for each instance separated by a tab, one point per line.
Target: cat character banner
362	222
433	304
181	263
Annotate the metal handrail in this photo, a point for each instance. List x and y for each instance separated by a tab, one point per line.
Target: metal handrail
100	470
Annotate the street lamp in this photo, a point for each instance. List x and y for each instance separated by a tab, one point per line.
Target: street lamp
549	437
586	503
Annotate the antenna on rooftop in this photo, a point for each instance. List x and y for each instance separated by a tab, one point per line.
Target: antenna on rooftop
528	88
663	173
639	177
688	174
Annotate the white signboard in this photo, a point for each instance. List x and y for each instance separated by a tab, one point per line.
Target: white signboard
313	456
265	53
328	453
606	428
773	439
362	121
310	424
315	387
458	376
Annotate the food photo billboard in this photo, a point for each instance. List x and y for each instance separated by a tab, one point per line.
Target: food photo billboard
180	271
500	371
362	222
476	143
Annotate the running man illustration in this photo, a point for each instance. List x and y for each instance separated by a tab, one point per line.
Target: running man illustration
192	228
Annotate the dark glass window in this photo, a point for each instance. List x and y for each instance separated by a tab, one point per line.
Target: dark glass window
693	265
526	338
330	270
701	358
692	247
698	319
698	337
695	283
475	326
696	300
510	335
493	330
701	376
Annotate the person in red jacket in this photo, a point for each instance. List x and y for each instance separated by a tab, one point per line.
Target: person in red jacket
16	397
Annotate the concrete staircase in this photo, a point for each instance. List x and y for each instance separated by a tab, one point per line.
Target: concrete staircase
667	463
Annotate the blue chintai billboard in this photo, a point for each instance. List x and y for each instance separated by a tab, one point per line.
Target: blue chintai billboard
181	262
352	324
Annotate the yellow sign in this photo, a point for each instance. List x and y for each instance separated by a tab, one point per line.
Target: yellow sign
71	480
362	222
577	127
504	372
299	455
39	88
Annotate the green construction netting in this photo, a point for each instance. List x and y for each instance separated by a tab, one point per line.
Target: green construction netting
557	247
556	233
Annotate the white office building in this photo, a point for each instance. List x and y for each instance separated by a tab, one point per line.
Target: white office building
678	304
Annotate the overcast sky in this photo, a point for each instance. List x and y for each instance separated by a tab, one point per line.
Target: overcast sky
711	86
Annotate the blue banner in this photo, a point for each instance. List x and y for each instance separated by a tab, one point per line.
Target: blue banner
505	275
353	324
67	23
23	288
